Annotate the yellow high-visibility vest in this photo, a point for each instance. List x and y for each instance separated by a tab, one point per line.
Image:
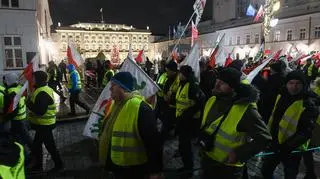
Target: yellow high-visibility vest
17	171
21	115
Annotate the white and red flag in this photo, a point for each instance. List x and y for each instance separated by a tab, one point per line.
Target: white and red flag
74	57
194	33
32	66
259	14
141	57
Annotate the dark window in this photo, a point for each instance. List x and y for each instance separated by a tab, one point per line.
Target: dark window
7	41
5	3
17	40
14	3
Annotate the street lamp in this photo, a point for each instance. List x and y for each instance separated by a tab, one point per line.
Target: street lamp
274	22
147	27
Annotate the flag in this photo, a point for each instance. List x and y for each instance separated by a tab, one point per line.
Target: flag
254	72
213	60
141	58
30	68
16	99
260	52
193	60
174	33
259	14
251	11
175	55
74	56
194	33
277	55
144	84
228	60
198	8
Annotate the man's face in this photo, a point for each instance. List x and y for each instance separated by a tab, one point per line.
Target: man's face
294	87
222	88
116	91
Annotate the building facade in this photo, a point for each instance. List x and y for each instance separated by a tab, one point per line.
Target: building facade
92	38
298	26
23	24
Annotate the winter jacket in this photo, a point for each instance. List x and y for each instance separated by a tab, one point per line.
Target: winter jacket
9	152
147	127
269	94
306	122
208	81
251	122
73	78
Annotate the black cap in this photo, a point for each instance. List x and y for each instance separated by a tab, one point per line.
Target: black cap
172	65
230	76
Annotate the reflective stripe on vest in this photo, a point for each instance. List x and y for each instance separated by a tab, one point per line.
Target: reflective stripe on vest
183	102
127	148
310	69
49	117
21	115
2	92
70	83
289	122
227	138
161	82
105	80
317	90
17	171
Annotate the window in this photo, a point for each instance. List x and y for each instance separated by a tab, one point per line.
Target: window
30	56
63	36
13	52
10	3
289	35
302	34
317	32
247	39
230	40
256	38
276	37
238	40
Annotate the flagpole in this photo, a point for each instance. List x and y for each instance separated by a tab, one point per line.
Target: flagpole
184	30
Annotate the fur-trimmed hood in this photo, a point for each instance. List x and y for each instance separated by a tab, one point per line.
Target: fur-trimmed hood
246	93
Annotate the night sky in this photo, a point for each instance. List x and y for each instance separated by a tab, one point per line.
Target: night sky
139	13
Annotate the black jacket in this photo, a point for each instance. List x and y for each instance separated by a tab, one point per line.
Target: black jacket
305	125
9	152
147	126
251	123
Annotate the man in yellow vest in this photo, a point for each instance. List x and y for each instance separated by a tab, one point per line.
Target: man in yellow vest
42	116
19	124
189	102
291	125
130	144
310	70
232	130
54	80
170	89
11	156
74	86
108	73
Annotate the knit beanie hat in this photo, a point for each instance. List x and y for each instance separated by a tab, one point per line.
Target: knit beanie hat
40	77
11	78
297	75
230	76
187	71
236	64
124	80
172	65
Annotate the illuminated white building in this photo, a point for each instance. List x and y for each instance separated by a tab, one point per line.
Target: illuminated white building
92	38
298	25
24	24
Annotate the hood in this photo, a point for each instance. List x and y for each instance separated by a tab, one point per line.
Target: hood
246	93
71	67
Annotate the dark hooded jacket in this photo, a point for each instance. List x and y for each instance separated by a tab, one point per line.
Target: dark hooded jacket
251	123
9	152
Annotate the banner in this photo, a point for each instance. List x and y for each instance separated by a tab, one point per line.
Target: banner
143	83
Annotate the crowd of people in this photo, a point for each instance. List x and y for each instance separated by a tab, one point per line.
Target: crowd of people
231	119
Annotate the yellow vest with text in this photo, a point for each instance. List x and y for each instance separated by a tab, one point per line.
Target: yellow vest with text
17	171
161	82
183	102
227	138
49	117
70	83
127	148
105	80
289	122
21	115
